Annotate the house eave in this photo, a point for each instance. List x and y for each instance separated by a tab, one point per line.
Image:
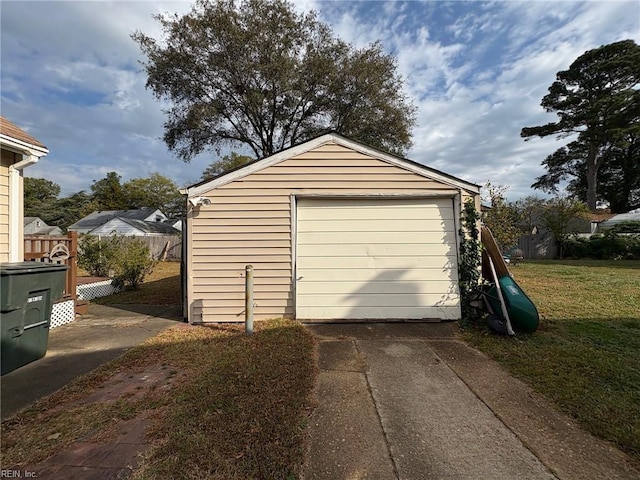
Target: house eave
23	148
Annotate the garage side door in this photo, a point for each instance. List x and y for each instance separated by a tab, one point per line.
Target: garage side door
376	259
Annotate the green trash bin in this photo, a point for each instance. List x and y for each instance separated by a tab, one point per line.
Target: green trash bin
27	292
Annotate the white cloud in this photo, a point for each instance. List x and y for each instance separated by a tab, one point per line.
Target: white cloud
476	71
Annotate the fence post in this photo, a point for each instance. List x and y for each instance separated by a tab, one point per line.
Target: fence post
248	297
72	263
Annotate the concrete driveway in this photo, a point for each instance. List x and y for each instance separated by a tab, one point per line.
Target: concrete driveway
409	401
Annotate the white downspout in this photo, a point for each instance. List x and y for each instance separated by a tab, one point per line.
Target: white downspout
15	194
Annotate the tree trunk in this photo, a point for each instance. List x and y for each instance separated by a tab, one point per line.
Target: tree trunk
592	176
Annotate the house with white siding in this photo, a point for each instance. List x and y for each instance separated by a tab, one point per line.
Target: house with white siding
137	222
134	228
37	226
334	230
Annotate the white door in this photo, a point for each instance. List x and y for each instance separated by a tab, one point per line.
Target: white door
376	259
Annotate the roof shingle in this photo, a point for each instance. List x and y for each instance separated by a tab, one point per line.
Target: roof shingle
12	130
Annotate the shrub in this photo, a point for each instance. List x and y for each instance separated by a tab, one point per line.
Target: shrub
608	246
132	262
128	257
95	255
628	226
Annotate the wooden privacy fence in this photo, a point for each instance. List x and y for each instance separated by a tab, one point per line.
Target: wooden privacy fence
161	247
164	247
38	248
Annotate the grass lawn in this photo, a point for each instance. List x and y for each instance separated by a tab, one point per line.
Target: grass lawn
586	354
160	287
237	408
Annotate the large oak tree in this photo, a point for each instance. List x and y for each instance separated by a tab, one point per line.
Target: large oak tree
597	99
256	73
225	164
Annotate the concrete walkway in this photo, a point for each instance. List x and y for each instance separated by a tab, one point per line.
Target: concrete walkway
409	401
80	347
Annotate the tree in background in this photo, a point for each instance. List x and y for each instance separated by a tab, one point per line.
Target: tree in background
38	191
107	193
257	73
65	211
598	100
224	165
503	218
618	177
557	216
530	210
41	198
155	191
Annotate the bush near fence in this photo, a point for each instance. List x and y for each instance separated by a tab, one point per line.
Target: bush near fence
605	247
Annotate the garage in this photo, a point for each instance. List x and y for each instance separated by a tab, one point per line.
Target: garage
376	258
334	229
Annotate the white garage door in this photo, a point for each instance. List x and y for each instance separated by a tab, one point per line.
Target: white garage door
376	259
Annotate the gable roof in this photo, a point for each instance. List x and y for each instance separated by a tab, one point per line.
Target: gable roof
632	216
12	135
42	229
260	164
152	227
96	219
159	228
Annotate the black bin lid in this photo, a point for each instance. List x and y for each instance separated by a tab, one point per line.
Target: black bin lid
18	268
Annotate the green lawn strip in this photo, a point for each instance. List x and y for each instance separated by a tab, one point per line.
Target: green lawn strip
575	289
585	356
161	287
239	410
245	428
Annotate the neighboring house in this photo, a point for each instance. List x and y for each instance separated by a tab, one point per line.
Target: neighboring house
98	220
175	223
19	150
37	226
132	227
334	229
585	227
541	244
632	216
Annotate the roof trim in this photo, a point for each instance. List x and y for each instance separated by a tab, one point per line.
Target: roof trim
142	226
253	167
90	221
16	139
21	147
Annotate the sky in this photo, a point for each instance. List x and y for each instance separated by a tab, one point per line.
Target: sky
70	75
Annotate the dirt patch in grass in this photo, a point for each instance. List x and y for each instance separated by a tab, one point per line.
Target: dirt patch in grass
221	404
585	356
160	287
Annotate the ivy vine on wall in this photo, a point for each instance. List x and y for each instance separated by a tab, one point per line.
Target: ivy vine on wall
469	262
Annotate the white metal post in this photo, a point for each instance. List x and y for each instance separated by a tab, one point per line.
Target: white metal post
248	297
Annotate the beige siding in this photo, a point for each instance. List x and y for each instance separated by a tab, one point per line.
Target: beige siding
7	159
249	221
